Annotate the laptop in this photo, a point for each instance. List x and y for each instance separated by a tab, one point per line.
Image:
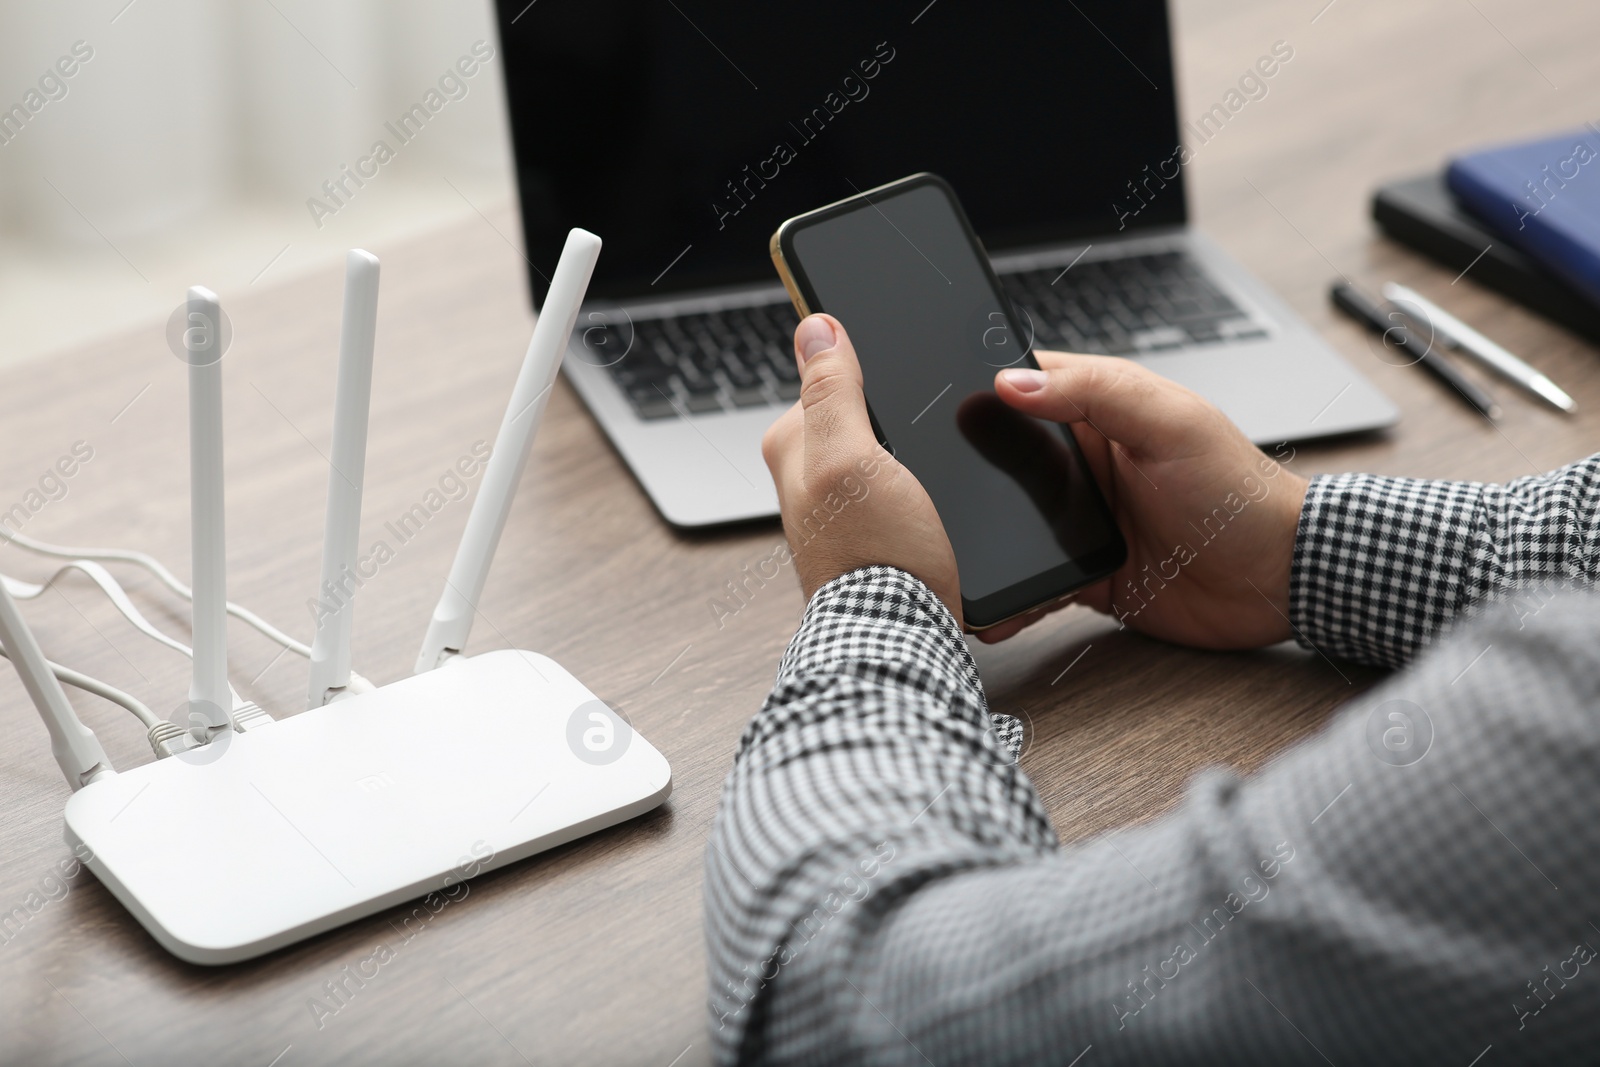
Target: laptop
684	131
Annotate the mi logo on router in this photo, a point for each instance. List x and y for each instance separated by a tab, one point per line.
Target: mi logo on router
374	782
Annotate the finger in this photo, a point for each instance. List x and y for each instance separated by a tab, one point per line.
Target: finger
837	426
1133	406
782	446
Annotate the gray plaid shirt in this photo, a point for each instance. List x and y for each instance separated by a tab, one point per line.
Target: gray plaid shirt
1420	883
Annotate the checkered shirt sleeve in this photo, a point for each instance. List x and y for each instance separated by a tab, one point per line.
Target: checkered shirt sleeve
1415	884
874	763
1383	566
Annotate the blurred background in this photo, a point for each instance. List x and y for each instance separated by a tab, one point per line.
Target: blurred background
184	149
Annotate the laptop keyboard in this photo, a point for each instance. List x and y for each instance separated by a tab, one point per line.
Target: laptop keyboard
744	357
703	362
1126	306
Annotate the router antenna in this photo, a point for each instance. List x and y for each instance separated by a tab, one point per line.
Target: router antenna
209	697
352	398
452	618
76	748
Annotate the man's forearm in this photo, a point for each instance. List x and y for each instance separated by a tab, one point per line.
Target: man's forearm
873	767
1383	565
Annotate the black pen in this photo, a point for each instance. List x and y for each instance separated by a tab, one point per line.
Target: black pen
1351	301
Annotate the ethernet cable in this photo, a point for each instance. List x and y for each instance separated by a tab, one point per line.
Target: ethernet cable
100	689
358	683
166	577
110	586
118	596
165	736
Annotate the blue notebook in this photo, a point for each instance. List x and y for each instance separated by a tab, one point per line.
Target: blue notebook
1542	196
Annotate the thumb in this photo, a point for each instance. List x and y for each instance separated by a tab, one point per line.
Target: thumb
836	420
1134	407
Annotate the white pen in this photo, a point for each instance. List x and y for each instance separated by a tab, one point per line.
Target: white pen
1458	334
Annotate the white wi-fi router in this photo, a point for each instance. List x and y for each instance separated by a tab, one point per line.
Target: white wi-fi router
265	832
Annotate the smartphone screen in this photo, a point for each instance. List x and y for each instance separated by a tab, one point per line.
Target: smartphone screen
902	270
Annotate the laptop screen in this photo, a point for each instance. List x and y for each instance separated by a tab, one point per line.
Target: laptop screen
684	131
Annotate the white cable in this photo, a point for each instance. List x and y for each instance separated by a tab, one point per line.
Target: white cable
101	689
113	589
166	577
166	738
84	561
109	585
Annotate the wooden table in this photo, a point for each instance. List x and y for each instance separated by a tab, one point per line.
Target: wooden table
593	953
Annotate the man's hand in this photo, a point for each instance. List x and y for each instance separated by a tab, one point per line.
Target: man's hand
846	502
1209	519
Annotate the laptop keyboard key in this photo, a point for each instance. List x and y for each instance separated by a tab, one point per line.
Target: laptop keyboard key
701	405
738	374
701	395
649	403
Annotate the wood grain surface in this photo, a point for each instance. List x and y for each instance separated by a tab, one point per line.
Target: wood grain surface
593	953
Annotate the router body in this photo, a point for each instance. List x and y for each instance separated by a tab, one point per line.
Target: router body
312	821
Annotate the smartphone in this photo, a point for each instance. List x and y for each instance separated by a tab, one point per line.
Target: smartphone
901	268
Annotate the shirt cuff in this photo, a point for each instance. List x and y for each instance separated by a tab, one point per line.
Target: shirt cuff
881	624
1381	564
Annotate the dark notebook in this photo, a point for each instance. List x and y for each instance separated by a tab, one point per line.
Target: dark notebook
1421	213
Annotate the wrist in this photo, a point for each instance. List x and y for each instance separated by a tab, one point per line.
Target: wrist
1280	572
874	515
911	622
